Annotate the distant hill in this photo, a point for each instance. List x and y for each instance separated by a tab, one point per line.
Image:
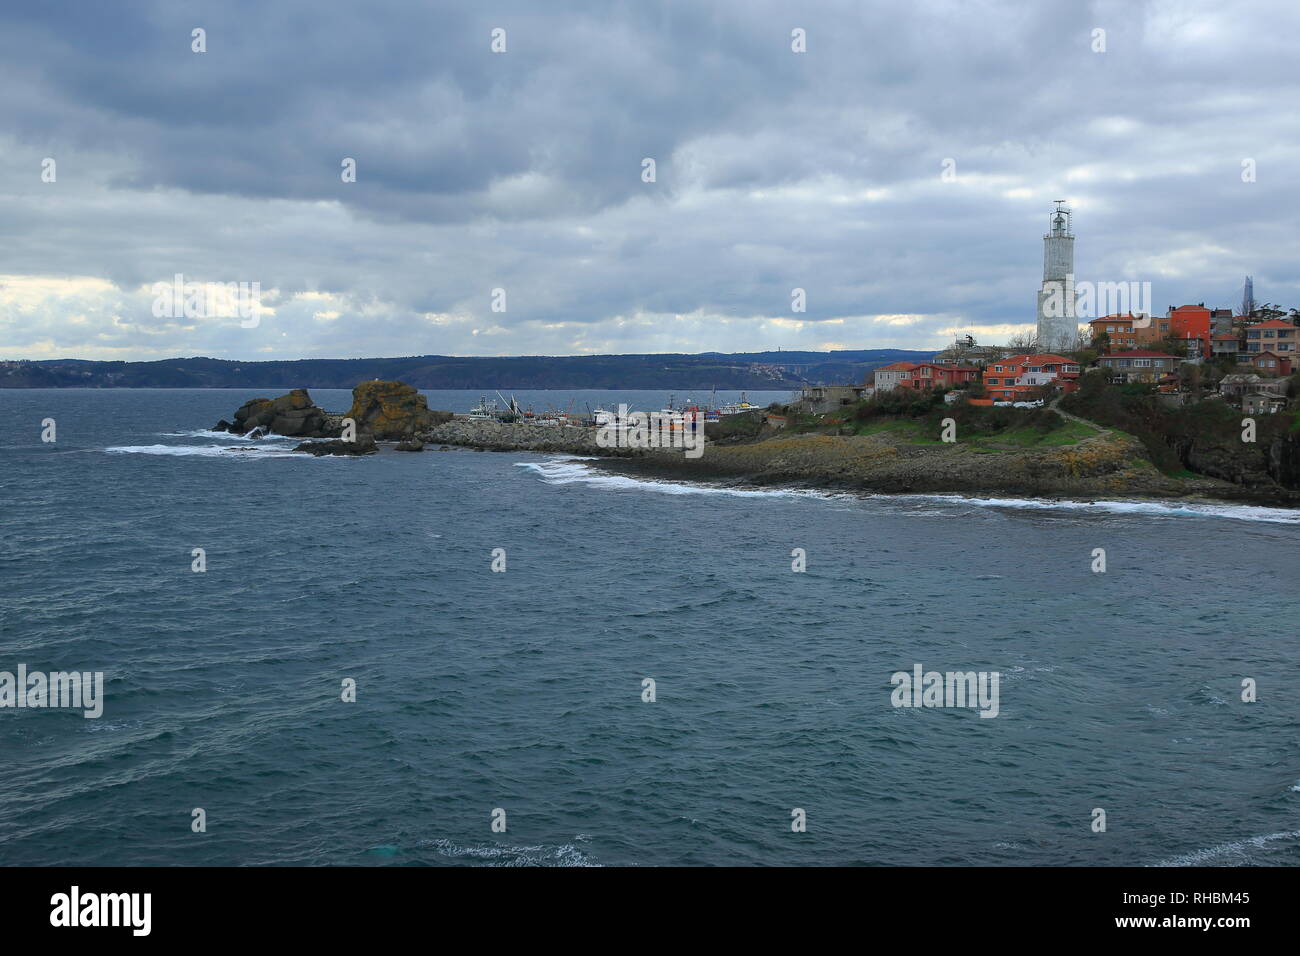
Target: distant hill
756	370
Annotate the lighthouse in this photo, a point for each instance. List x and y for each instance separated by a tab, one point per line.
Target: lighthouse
1058	325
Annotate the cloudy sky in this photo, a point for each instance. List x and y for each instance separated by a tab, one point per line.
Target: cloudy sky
523	170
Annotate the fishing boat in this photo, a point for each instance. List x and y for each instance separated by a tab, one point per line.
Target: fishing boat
485	410
740	407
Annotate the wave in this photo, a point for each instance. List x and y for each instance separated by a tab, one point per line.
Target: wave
206	451
1158	508
570	469
502	855
1245	852
566	471
208	434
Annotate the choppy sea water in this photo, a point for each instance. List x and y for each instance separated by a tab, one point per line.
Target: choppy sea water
522	691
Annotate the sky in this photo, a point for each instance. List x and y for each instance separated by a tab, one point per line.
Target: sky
899	171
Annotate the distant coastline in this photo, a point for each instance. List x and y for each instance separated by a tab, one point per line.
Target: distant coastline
698	372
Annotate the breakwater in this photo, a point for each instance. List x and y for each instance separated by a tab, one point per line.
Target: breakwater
497	436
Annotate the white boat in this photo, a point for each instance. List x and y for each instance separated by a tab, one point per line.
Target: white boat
485	410
740	407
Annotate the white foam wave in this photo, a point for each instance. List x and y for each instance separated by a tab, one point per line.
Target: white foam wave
569	469
566	471
202	433
1236	853
206	451
1171	509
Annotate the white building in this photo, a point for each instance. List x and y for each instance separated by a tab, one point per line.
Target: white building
887	377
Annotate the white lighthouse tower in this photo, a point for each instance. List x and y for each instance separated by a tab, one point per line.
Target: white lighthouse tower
1058	325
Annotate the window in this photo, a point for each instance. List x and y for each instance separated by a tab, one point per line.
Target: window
1268	333
1142	363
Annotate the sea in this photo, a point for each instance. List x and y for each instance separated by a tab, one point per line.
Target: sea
461	658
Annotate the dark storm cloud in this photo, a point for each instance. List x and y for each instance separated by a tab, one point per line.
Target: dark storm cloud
522	170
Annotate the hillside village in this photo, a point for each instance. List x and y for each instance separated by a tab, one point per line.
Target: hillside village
1191	354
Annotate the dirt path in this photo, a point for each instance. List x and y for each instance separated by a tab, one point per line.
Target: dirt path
1102	429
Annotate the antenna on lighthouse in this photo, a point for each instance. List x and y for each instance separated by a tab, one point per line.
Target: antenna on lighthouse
1061	219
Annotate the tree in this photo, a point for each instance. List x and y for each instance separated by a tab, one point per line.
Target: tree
1269	310
1022	342
1086	357
1173	345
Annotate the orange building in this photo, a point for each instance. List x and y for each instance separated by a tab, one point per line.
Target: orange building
1129	331
1015	379
1192	322
934	375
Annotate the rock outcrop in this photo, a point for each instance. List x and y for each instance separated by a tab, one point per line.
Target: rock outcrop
381	411
392	411
293	414
364	445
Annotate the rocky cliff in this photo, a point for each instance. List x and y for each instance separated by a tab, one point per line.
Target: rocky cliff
392	411
293	414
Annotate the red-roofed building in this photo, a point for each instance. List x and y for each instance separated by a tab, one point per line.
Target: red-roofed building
1275	335
1129	331
887	377
1013	379
1140	365
934	375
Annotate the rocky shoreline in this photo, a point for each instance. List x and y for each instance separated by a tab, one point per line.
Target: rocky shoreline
1107	465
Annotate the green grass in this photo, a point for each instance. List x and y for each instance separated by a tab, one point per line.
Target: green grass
914	431
1021	439
886	425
